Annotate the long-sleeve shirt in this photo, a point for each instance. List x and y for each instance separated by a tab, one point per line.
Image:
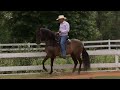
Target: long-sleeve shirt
64	28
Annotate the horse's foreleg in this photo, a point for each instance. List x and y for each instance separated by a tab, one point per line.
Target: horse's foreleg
44	62
52	60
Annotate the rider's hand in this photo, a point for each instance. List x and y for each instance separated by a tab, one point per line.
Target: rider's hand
59	31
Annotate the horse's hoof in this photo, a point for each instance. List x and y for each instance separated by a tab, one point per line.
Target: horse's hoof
73	71
78	73
50	72
45	69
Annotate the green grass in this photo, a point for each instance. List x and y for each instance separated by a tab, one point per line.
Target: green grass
59	61
32	61
38	61
102	59
32	76
48	76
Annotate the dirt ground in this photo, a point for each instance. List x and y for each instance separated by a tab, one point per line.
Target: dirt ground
65	75
86	75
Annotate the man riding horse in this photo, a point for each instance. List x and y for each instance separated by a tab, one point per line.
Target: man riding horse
63	33
75	48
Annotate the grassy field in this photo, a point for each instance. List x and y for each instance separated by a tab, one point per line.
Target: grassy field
33	76
31	61
53	76
38	61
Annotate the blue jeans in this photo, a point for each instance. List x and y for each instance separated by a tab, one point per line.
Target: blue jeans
63	40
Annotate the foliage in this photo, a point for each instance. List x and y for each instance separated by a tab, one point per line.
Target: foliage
21	26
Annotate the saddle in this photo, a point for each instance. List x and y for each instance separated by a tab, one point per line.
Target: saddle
68	40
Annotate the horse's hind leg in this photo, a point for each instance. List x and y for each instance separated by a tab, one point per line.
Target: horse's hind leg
80	62
52	60
44	62
75	62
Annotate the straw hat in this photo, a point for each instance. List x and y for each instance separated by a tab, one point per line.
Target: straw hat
61	17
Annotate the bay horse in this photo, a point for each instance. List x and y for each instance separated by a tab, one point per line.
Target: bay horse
75	48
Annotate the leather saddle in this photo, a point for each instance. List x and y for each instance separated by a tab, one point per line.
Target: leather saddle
68	40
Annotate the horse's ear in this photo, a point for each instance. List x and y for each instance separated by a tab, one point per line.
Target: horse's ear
40	26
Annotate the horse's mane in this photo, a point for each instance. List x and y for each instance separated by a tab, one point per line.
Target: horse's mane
46	34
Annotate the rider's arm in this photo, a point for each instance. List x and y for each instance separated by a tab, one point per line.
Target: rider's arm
66	28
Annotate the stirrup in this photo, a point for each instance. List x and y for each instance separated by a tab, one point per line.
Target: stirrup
68	41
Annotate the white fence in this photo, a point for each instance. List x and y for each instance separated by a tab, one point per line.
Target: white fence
102	44
90	45
21	47
105	47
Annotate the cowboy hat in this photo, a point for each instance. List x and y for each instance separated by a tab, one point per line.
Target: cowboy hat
61	17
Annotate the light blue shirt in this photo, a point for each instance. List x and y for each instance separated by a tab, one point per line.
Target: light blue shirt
64	28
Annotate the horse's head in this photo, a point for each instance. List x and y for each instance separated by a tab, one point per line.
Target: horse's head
43	35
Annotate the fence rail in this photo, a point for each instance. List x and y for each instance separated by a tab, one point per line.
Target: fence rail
115	53
112	49
93	45
102	44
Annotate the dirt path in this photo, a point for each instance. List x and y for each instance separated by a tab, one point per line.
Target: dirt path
63	75
86	75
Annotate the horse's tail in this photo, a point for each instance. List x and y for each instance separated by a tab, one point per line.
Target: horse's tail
86	59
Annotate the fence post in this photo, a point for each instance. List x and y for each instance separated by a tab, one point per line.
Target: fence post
117	62
28	46
38	47
109	44
83	43
0	48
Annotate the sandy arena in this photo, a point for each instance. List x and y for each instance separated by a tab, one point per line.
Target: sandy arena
86	75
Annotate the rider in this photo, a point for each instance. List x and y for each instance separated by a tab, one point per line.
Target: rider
63	32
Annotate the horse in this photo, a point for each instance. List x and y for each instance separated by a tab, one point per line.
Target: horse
52	48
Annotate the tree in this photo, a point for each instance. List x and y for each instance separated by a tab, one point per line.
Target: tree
21	26
108	24
83	25
5	33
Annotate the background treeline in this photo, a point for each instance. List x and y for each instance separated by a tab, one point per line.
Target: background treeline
21	26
